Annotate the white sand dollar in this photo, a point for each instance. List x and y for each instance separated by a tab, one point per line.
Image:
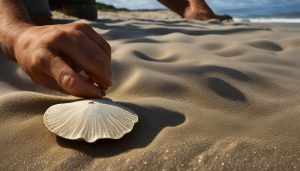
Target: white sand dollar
90	120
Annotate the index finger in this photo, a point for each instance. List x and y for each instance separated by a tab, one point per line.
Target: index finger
89	57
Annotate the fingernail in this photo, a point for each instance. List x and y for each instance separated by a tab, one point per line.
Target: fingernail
68	80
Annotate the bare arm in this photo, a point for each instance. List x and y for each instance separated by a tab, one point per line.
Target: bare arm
52	55
13	19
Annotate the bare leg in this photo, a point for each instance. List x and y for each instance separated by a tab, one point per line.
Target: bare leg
178	6
193	9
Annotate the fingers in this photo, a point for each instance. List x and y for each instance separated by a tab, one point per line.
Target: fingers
94	36
49	82
70	81
43	79
90	58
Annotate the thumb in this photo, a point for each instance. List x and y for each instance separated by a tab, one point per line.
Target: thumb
71	82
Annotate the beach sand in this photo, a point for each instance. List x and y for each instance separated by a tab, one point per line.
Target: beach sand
209	96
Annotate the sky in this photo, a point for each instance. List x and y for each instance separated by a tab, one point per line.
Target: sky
218	5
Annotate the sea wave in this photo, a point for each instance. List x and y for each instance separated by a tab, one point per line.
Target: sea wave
267	20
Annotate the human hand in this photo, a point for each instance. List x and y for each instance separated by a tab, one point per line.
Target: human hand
53	56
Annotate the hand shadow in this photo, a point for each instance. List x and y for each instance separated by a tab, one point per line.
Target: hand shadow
152	120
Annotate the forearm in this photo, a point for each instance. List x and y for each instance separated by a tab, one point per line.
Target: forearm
13	20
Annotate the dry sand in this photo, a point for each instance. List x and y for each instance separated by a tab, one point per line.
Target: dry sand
217	96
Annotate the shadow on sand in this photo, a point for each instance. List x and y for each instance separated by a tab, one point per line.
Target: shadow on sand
152	120
135	31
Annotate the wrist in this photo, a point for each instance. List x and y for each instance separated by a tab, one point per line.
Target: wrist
9	35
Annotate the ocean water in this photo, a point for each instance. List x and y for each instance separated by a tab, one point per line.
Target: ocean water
291	22
268	20
267	15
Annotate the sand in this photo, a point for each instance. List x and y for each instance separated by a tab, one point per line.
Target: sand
218	96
